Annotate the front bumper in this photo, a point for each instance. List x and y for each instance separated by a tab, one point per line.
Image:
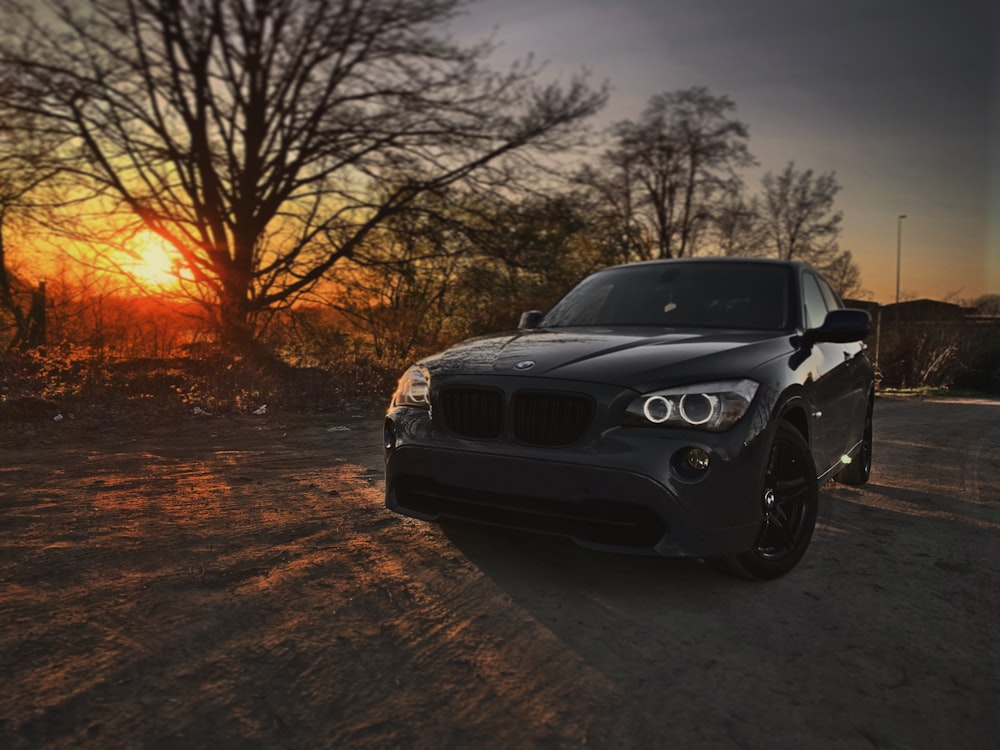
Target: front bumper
622	489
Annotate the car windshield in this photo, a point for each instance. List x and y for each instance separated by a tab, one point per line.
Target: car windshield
753	296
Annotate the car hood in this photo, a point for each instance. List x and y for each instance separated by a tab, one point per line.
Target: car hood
638	358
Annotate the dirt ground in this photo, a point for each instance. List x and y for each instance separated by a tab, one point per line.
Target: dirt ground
237	583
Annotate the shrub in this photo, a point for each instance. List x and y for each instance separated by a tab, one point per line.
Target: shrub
920	355
76	382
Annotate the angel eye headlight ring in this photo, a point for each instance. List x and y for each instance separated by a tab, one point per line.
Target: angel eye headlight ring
657	409
698	408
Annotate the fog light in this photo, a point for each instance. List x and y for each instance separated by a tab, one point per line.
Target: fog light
696	458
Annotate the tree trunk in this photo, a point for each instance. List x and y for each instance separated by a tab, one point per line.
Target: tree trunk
236	329
36	319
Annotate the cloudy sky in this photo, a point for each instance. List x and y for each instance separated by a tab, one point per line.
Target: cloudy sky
900	98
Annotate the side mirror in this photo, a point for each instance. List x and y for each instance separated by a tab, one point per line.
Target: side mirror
530	319
841	327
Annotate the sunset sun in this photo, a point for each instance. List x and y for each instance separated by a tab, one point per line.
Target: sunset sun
152	261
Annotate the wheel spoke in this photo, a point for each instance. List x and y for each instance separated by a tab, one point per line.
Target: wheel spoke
786	532
765	529
788	490
776	532
774	461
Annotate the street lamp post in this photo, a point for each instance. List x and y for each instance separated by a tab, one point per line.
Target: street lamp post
899	258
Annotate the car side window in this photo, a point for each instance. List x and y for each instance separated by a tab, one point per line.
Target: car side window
812	299
832	298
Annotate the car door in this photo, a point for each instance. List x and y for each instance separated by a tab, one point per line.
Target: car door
854	397
832	386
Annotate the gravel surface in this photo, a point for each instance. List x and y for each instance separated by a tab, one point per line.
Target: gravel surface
237	583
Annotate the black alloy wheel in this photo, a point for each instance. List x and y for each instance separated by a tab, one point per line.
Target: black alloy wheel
789	502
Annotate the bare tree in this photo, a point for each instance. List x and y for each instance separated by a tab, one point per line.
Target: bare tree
611	198
453	267
665	171
800	223
400	296
14	186
529	254
798	214
253	135
24	168
736	223
843	273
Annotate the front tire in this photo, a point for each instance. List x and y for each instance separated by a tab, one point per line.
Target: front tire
789	501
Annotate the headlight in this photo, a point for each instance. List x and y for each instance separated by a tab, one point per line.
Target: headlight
707	406
413	389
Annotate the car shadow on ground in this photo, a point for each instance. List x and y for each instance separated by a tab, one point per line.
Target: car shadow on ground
585	596
507	554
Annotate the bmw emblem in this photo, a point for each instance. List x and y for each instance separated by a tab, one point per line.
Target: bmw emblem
524	365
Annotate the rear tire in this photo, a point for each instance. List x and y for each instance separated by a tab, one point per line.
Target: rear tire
860	469
789	502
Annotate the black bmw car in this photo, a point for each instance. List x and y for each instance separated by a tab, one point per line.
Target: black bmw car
681	408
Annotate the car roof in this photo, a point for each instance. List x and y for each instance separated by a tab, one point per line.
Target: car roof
715	259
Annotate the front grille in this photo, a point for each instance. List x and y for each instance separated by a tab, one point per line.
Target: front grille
540	418
473	413
546	418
